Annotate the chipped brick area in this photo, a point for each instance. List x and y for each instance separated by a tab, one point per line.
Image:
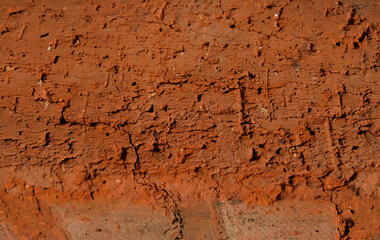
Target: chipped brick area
189	119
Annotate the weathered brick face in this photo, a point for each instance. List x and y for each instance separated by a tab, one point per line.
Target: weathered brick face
192	119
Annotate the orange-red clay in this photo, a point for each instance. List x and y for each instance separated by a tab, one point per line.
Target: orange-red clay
189	119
